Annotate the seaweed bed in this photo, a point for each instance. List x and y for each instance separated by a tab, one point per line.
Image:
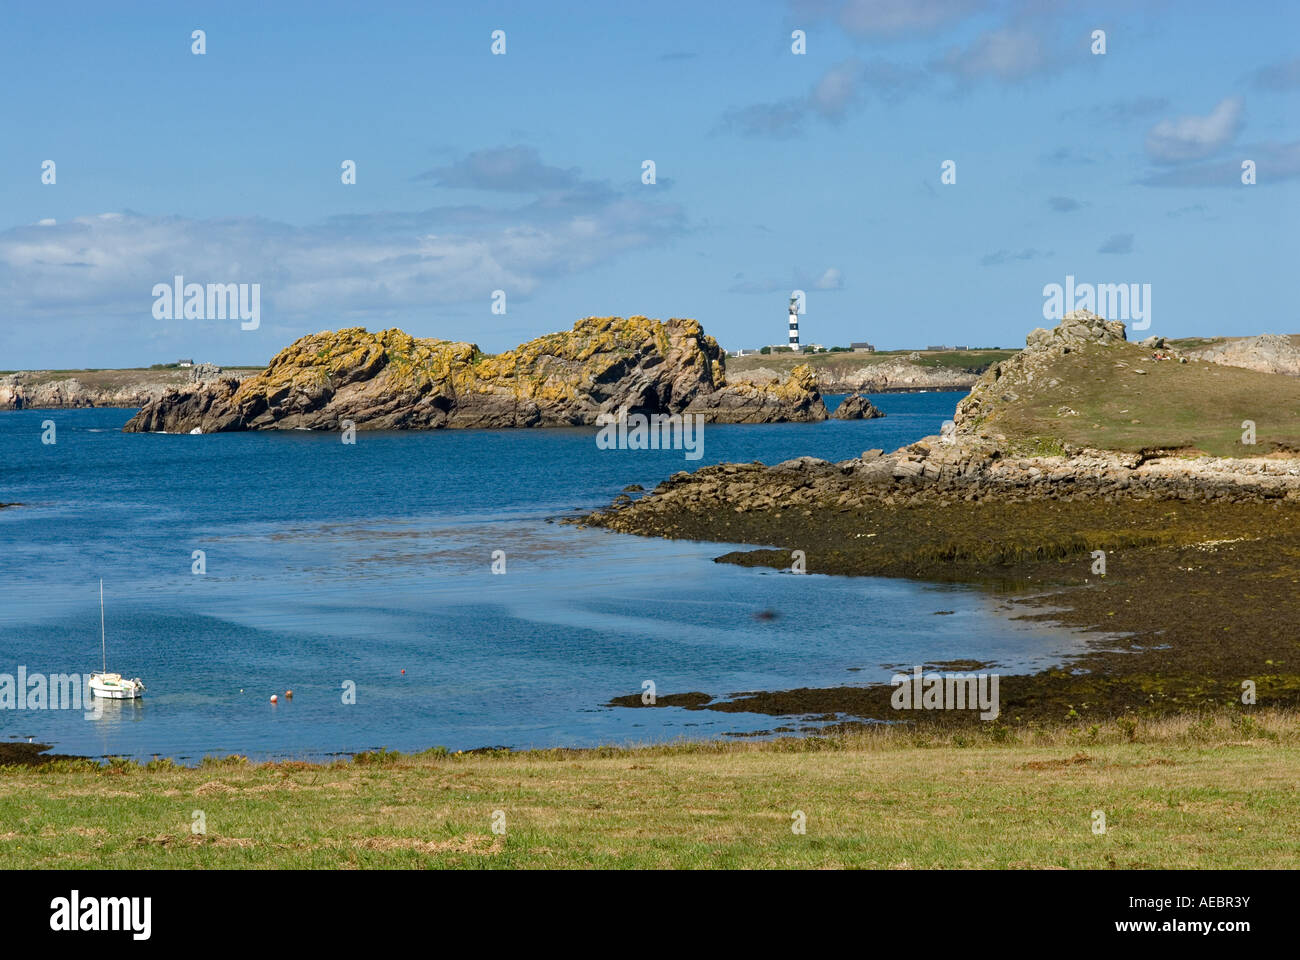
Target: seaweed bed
1197	597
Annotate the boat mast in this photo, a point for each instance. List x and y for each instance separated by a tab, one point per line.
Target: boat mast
103	647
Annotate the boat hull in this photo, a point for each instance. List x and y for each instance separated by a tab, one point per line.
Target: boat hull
116	689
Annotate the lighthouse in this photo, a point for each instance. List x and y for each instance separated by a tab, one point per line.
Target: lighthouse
794	323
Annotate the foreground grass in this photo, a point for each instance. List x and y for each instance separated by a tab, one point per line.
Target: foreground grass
1215	790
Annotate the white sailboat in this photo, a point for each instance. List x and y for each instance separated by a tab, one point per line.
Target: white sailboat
112	686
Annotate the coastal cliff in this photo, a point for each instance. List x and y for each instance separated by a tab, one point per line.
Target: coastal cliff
391	380
851	373
53	390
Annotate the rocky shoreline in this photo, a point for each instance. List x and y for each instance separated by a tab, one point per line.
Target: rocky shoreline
1195	595
901	375
123	389
1200	547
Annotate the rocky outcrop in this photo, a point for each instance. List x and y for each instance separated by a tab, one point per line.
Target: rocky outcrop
896	375
943	471
201	372
45	390
969	462
857	407
999	384
1077	328
33	390
1269	353
795	398
391	380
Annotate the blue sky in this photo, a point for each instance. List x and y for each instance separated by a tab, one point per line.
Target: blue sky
522	172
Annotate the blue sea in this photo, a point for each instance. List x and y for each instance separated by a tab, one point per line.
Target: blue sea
368	567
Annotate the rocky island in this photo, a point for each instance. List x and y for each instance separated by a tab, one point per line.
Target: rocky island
390	380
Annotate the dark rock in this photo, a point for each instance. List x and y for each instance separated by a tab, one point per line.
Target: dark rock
857	407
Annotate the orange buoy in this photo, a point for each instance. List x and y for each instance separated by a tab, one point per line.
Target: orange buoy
288	694
274	698
403	671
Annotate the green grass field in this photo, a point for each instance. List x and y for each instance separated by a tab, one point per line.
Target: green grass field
1208	791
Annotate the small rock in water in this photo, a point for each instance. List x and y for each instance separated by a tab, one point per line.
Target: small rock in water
856	407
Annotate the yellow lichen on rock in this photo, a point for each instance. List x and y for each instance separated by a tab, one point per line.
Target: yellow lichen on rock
391	379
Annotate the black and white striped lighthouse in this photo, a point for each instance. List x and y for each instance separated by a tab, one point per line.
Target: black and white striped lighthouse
794	322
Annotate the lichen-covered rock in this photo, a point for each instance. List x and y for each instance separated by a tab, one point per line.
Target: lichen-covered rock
857	407
794	399
391	380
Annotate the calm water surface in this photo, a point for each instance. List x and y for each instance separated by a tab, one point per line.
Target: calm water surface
329	564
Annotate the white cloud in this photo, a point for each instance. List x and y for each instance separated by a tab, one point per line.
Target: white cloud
887	18
837	89
87	282
1275	163
1193	137
1009	54
831	279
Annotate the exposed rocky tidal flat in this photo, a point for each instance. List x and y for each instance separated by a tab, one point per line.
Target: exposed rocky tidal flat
1200	554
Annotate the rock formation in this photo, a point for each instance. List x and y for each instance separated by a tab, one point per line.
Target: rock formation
391	380
36	390
1269	353
899	374
943	472
1000	383
977	462
47	390
857	407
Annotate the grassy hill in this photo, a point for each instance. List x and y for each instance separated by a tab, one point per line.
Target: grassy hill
1117	397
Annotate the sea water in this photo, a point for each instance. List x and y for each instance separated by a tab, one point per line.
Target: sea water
365	572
